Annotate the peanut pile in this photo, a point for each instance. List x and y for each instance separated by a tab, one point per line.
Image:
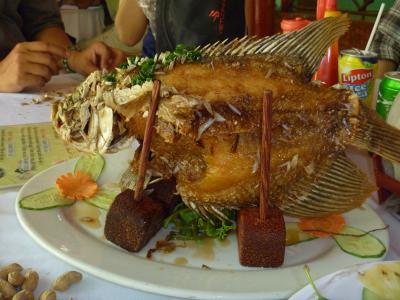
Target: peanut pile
15	284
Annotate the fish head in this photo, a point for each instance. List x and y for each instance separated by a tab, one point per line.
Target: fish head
89	123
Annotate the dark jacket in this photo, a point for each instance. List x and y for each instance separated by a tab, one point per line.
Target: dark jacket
21	20
194	23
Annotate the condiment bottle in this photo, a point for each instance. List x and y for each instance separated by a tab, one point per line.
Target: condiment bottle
261	17
320	9
288	25
328	70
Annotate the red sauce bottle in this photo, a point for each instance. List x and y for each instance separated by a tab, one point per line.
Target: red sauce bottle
321	9
328	70
262	18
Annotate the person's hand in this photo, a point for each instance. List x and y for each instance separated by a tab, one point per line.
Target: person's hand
97	56
29	65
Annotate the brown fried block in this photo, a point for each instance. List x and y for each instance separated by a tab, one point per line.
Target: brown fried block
165	192
261	243
131	224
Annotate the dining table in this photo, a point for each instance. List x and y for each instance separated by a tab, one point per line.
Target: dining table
17	246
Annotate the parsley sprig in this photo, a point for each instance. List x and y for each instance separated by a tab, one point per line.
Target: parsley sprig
111	77
146	72
188	225
147	66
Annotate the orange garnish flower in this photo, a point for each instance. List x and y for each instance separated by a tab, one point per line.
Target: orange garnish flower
77	186
324	226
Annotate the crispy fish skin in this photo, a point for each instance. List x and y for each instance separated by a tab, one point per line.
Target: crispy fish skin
310	125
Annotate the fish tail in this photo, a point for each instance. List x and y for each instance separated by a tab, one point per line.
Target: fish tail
375	135
338	186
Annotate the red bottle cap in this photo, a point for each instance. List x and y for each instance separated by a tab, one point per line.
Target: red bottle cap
288	25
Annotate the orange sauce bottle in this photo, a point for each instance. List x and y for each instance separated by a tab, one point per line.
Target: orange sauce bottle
288	25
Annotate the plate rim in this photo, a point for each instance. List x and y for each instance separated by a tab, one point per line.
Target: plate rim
193	292
351	269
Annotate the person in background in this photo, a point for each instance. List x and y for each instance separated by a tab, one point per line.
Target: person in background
34	46
173	22
386	42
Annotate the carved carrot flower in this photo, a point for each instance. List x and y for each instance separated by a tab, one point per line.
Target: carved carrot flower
78	186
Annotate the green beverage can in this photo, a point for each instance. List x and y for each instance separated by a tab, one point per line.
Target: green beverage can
388	90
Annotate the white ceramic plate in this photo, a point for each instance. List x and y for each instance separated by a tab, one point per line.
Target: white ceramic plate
341	285
180	273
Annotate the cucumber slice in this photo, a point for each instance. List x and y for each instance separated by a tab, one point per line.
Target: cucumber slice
367	246
370	295
46	199
90	164
103	199
294	235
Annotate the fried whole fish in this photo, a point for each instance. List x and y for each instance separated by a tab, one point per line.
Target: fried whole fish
208	123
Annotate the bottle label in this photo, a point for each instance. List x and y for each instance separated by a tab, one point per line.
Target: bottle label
358	81
358	76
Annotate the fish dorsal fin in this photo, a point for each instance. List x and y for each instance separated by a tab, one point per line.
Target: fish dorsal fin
308	45
337	187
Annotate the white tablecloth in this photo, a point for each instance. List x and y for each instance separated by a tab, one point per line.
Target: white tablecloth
17	246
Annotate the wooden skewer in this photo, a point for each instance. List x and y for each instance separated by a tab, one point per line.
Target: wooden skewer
265	153
148	133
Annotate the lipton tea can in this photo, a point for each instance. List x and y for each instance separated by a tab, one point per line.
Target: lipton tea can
357	69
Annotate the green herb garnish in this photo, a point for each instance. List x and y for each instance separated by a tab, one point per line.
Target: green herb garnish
146	72
311	282
188	225
123	65
181	50
111	77
147	66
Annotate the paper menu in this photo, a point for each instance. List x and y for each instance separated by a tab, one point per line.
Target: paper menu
25	150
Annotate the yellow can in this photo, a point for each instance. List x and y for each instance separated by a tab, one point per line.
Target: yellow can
357	72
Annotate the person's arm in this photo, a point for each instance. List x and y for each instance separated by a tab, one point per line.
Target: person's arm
130	22
55	36
97	56
43	23
29	65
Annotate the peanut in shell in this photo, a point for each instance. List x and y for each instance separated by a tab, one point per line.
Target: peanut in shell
5	270
31	281
7	289
48	295
63	282
23	295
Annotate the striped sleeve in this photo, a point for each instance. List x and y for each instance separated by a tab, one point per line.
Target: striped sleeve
387	38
